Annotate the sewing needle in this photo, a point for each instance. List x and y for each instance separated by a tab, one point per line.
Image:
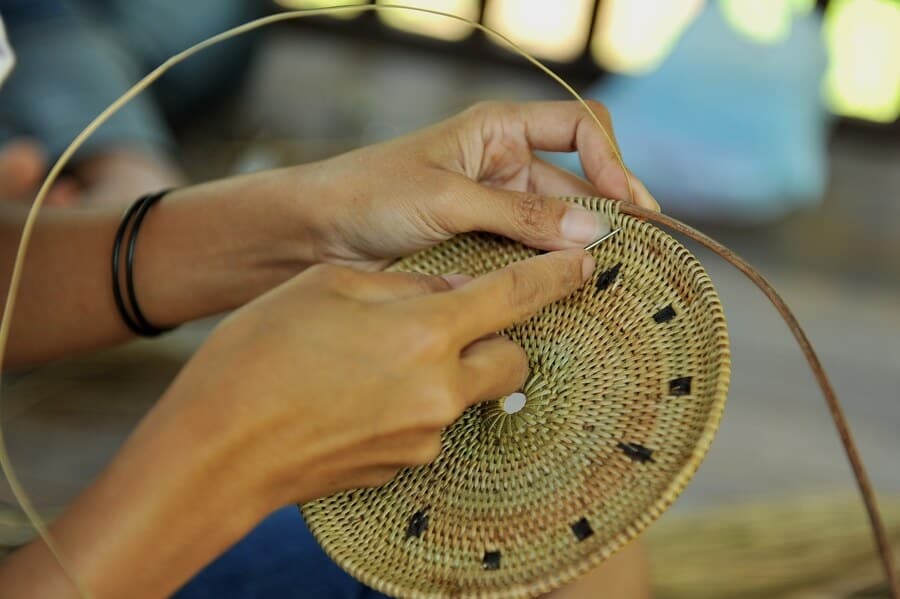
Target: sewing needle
602	239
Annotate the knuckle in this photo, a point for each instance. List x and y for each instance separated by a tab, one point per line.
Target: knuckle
330	275
491	113
533	211
523	290
316	272
433	284
572	273
442	193
564	271
428	335
443	408
485	108
600	110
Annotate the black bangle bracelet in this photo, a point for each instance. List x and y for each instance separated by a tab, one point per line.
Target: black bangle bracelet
135	319
117	243
150	330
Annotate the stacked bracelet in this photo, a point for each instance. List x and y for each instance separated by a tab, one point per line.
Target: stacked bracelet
134	319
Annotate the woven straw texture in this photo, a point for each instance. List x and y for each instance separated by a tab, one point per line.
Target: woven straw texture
628	381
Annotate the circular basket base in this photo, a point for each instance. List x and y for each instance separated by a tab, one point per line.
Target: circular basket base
628	381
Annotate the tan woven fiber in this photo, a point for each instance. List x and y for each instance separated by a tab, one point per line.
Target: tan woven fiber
629	377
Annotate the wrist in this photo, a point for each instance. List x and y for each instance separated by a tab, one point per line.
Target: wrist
182	445
212	247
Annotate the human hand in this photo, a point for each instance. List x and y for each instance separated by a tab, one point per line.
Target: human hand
475	171
23	165
113	177
222	243
339	378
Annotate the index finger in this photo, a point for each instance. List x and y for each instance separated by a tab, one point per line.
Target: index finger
514	293
568	127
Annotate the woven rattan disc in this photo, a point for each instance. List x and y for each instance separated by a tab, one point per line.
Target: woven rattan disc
628	382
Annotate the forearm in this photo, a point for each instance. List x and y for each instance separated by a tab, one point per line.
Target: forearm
201	251
169	503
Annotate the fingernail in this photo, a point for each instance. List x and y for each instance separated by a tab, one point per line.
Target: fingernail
646	196
587	266
456	280
582	226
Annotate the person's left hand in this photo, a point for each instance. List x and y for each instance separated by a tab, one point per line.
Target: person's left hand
474	172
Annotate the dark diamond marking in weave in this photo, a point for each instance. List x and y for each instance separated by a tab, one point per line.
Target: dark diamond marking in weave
665	315
582	529
606	278
636	452
417	524
680	386
491	560
587	427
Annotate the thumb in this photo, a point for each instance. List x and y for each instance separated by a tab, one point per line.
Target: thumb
538	221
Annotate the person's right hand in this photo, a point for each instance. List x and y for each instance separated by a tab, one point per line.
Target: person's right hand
339	378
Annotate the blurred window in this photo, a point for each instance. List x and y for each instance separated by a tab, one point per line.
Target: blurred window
635	36
863	78
433	25
556	30
306	4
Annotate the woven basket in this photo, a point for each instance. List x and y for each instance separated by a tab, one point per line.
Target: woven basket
628	381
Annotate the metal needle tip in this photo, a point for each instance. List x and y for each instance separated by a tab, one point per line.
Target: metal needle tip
602	239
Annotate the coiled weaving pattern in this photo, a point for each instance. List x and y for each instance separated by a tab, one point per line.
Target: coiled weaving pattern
628	382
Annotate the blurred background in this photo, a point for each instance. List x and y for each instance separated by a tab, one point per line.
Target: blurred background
772	126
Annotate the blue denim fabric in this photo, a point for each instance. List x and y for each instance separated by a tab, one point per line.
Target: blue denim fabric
279	559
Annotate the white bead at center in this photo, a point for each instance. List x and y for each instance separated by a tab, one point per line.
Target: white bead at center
514	402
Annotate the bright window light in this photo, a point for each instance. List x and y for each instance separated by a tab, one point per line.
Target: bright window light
863	78
556	30
433	25
301	4
766	22
634	36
